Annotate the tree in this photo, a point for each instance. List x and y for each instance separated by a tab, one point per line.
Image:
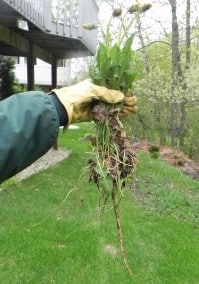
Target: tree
176	71
7	77
183	120
168	88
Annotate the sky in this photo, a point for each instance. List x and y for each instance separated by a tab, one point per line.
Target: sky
158	13
158	18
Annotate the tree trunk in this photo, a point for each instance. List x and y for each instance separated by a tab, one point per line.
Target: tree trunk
176	71
188	59
188	34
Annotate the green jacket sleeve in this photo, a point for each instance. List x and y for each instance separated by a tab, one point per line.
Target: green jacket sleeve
28	128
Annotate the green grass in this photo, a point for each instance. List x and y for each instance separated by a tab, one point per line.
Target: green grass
50	231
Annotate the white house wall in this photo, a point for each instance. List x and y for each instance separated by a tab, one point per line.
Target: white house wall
42	74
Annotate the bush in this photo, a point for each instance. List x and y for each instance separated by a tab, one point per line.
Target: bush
154	151
7	77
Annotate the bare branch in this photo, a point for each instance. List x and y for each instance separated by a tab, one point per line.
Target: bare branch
155	41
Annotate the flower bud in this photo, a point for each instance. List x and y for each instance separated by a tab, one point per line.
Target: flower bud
146	7
139	8
117	12
90	26
134	8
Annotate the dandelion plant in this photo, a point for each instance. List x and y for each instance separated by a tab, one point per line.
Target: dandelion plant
112	165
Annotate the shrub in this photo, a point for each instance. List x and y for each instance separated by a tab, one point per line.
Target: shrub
154	151
7	77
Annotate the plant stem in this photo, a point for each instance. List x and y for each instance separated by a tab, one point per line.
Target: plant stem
120	41
108	35
122	27
120	234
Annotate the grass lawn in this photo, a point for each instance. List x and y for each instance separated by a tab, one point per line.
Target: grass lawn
51	232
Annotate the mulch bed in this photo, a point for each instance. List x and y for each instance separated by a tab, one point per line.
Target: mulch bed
174	157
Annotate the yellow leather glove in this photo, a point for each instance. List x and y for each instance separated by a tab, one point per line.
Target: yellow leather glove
77	100
129	106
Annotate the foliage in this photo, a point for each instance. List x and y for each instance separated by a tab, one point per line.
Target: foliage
113	67
7	77
156	97
18	88
62	11
154	151
191	141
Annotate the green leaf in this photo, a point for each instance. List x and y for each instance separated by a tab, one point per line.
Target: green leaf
113	66
101	57
127	53
115	54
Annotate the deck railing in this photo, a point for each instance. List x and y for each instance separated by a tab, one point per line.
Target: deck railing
61	17
36	11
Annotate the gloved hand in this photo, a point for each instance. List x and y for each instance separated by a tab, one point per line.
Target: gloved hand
129	105
79	98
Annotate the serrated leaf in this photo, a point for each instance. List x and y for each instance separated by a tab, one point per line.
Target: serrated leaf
115	54
127	53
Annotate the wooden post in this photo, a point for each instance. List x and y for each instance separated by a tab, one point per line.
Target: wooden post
30	68
54	73
54	85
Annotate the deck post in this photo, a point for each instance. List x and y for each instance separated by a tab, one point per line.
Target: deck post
30	68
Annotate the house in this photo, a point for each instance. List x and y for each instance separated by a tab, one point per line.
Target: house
50	30
42	72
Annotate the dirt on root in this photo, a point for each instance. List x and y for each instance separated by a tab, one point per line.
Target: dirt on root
172	156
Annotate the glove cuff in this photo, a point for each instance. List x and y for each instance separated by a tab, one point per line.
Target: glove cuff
69	109
62	95
61	111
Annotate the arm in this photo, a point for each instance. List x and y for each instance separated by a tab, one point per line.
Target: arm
78	100
29	122
28	128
